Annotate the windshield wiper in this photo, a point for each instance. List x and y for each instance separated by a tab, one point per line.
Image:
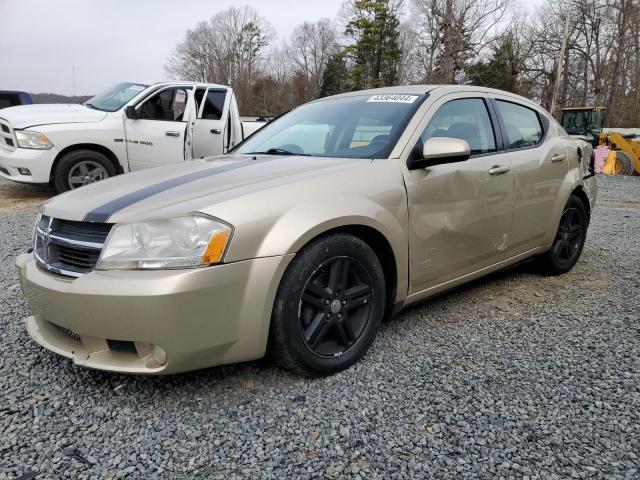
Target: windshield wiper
279	151
90	105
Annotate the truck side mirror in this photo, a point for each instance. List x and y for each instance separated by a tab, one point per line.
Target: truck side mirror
131	112
438	150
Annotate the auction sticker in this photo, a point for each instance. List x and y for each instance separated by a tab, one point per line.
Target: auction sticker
392	99
137	88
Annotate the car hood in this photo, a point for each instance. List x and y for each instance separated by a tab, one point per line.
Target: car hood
25	116
194	186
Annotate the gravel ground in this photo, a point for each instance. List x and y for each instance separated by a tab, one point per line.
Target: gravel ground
516	376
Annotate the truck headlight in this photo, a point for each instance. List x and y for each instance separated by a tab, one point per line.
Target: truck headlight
31	139
181	242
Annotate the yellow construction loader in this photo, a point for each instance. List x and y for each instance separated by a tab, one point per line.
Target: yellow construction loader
624	158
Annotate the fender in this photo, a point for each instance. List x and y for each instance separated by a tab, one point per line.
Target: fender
571	181
104	134
311	219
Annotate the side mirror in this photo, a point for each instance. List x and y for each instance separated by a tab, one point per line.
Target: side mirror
439	150
131	113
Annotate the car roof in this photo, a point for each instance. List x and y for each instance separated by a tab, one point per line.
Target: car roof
441	89
179	82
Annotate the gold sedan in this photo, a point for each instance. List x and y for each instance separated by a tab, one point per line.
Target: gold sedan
304	237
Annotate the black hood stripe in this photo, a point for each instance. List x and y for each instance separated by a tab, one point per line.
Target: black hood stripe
103	212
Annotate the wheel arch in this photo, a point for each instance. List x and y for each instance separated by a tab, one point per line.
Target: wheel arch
582	195
383	249
86	146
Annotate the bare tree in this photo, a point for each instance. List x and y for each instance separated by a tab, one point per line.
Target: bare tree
451	32
311	45
229	48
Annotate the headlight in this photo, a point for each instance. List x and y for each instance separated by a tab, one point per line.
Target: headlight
182	242
29	139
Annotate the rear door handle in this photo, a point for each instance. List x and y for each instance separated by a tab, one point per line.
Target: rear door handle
216	131
559	158
499	169
172	133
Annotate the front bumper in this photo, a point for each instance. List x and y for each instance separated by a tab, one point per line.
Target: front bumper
39	163
114	320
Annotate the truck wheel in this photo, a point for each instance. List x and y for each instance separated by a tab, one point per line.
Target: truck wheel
624	164
329	306
567	246
81	167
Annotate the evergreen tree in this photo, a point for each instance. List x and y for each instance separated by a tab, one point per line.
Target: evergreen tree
376	51
500	71
335	76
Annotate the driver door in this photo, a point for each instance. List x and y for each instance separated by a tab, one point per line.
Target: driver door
460	213
158	136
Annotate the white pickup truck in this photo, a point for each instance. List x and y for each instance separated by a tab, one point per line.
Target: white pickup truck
127	128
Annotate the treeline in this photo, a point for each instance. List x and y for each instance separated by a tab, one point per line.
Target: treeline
374	43
56	98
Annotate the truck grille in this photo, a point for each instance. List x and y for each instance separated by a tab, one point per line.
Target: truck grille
68	247
7	136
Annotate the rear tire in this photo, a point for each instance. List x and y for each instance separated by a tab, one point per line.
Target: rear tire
81	167
569	241
624	164
329	306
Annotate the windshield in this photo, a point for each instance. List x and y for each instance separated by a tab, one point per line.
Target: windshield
116	97
581	122
364	126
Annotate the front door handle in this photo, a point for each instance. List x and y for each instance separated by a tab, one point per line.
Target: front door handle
172	133
216	131
558	158
499	169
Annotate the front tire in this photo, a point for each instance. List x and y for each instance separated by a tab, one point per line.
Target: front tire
569	241
329	306
81	167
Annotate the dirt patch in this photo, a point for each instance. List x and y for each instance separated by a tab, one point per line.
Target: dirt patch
14	196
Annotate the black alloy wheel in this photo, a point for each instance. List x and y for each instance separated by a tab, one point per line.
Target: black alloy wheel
335	306
569	237
329	306
569	240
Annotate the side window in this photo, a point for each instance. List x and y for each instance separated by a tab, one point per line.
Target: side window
467	119
522	125
214	104
168	105
178	105
198	96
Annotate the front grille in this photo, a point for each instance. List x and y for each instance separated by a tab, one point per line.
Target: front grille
69	247
4	170
78	258
7	138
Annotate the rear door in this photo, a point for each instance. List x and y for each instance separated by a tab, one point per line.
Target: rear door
539	158
460	213
210	135
158	136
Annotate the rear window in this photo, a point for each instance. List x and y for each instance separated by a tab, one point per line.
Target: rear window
522	125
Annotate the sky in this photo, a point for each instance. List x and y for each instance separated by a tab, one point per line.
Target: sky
111	41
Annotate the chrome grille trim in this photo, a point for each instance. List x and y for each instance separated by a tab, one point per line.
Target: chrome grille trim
68	248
